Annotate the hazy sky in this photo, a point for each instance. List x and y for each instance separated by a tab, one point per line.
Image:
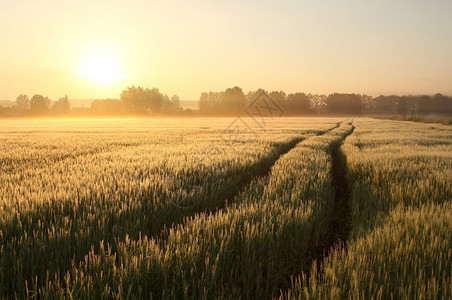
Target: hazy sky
187	47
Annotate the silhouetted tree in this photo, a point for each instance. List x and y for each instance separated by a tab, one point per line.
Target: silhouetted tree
297	104
412	105
22	103
171	106
344	104
402	106
386	104
62	106
39	105
279	97
443	104
155	100
368	103
210	103
425	105
166	105
137	100
204	104
233	101
175	101
134	100
318	104
251	96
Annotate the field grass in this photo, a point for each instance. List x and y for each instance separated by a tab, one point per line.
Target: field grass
440	120
189	208
400	245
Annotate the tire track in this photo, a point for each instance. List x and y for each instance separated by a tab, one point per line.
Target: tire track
229	195
339	226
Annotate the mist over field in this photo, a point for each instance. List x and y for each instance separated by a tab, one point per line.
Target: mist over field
144	102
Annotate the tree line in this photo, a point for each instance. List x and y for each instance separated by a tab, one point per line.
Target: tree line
39	105
139	101
134	101
233	101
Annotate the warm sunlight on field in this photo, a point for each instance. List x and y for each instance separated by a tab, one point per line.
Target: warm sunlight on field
182	209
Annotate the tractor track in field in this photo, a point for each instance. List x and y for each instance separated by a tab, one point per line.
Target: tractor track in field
262	173
283	149
265	172
340	224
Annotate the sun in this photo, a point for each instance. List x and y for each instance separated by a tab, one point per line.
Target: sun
101	65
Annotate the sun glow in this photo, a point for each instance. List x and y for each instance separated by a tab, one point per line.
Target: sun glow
101	65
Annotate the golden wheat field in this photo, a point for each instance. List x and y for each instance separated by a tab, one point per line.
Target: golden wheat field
203	208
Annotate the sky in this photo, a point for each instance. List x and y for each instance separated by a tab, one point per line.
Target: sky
91	49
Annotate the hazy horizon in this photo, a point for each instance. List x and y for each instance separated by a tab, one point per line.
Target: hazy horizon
95	50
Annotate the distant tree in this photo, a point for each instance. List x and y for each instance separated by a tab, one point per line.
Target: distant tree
279	97
167	106
62	106
402	106
385	105
171	106
297	104
412	105
175	101
443	104
368	104
39	105
134	100
349	104
48	102
425	105
138	100
210	103
22	103
155	100
251	96
233	101
204	104
317	101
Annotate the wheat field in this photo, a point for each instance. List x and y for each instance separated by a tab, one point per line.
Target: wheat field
295	208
